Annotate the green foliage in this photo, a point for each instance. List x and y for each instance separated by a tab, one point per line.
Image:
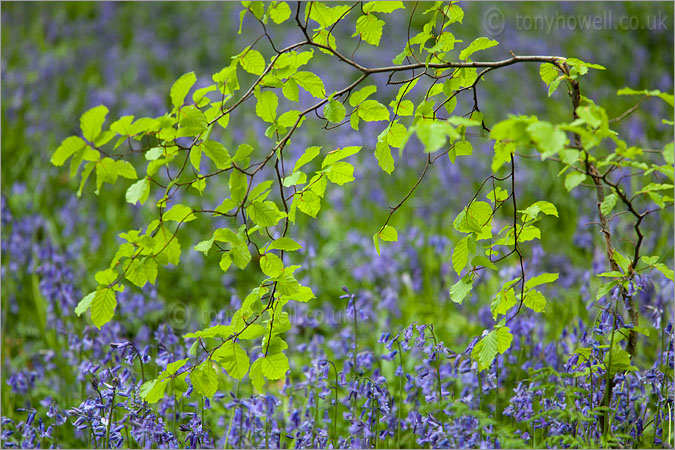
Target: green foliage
263	196
181	87
495	342
387	234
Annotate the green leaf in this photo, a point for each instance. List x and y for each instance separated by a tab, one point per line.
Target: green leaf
139	272
252	61
665	270
497	195
369	28
179	213
503	152
204	246
284	243
291	90
181	88
480	43
225	262
574	179
668	98
527	233
608	204
279	12
476	218
334	111
243	151
618	360
261	191
503	301
92	121
233	358
271	265
554	85
266	107
549	139
153	391
103	306
373	111
339	154
138	192
192	122
69	146
541	279
535	300
613	274
434	135
264	214
548	72
340	172
289	118
125	169
294	179
461	289
497	341
532	211
669	153
167	248
204	378
303	295
388	233
454	12
359	96
199	96
85	303
461	148
325	15
309	154
605	289
384	158
274	367
382	6
460	255
217	153
308	202
172	368
311	83
256	375
238	184
239	253
480	260
623	262
107	276
216	331
395	135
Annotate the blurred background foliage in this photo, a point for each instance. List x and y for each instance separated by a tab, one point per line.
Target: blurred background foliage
59	59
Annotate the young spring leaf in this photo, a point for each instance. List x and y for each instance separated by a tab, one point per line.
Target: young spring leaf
181	88
92	121
205	379
541	279
271	265
480	43
497	341
103	306
233	358
460	255
275	366
461	289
